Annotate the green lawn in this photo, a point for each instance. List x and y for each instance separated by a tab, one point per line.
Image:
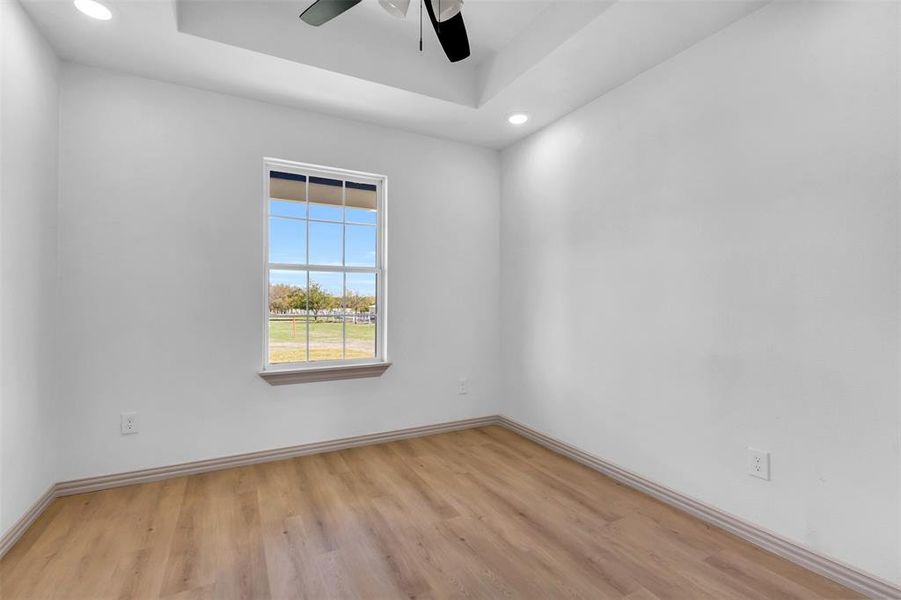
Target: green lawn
287	340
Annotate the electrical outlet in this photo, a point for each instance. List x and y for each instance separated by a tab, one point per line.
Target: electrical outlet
463	387
759	463
128	423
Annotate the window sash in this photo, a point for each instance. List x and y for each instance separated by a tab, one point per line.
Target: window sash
308	171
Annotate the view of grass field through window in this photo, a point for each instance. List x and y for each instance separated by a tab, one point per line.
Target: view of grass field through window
322	269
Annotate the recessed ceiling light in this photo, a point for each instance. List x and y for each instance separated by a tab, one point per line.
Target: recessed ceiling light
518	119
94	9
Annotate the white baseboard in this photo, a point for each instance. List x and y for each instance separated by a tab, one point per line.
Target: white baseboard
855	579
105	482
10	537
864	583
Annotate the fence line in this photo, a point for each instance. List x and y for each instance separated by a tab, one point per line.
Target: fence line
323	317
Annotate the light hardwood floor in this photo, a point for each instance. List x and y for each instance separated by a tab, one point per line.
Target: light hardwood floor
480	513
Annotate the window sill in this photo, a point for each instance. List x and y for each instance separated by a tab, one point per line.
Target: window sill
330	373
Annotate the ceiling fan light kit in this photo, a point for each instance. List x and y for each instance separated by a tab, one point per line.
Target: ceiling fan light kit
93	9
446	9
396	8
445	15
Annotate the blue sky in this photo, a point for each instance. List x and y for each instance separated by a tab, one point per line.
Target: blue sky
288	244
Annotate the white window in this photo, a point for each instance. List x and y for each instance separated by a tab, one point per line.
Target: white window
325	270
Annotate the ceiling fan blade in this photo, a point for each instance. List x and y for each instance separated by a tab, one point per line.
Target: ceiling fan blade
451	34
323	11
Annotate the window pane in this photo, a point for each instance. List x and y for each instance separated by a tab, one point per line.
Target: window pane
286	208
326	199
359	249
287	241
325	212
287	186
361	202
327	321
287	316
360	315
360	215
325	243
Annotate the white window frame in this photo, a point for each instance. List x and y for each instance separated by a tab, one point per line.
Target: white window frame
299	372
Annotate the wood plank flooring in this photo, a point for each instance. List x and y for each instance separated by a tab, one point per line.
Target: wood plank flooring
481	513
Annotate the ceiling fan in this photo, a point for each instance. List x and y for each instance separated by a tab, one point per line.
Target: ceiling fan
444	14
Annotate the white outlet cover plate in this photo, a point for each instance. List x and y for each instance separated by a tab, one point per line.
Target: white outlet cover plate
128	423
759	463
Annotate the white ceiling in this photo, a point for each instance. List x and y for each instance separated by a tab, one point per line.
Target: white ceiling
542	57
367	43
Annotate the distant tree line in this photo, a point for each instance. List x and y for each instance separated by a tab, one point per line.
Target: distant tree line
285	298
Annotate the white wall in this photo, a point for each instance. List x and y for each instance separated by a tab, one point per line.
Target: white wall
706	259
161	275
29	134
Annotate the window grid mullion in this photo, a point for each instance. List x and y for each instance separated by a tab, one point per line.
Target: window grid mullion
325	268
354	223
307	260
344	273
